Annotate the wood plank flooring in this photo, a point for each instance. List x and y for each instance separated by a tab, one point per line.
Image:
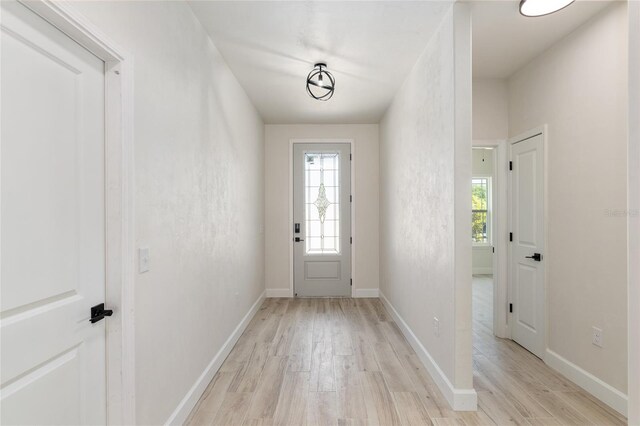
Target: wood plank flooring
345	362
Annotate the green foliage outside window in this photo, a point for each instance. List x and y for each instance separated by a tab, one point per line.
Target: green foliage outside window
479	203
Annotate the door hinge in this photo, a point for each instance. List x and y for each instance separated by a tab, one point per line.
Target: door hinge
510	165
351	282
511	307
350	157
493	249
351	198
510	236
350	240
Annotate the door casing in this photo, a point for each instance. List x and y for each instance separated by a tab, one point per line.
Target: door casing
353	208
541	130
119	173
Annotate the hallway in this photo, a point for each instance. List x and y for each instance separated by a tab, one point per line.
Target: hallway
345	362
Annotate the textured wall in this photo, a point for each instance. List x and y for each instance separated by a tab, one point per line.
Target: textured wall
418	217
277	145
199	196
579	88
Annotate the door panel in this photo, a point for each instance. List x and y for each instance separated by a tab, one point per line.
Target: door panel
527	217
322	219
52	225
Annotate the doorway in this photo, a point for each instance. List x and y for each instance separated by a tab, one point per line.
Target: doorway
53	225
483	234
322	219
51	43
527	242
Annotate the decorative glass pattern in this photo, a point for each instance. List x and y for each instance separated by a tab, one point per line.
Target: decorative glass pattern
322	202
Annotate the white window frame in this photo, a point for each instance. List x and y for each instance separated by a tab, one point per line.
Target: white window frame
489	179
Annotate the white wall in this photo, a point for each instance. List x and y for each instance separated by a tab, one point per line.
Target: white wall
634	213
199	197
579	88
425	192
490	109
482	256
365	201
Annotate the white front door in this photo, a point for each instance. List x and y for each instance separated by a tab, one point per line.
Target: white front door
52	225
527	246
322	219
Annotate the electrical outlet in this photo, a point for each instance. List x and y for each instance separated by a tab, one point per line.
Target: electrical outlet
436	326
596	337
143	259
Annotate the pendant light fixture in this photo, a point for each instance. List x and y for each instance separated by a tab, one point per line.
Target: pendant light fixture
320	83
532	8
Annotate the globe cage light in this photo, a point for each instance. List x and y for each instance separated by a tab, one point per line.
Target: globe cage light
320	83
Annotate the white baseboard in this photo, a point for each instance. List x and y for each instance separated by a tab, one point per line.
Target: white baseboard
190	400
278	292
482	270
366	292
459	399
596	387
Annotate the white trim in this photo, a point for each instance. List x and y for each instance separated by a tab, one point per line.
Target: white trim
459	399
278	292
596	387
500	236
366	292
633	222
352	144
482	270
119	171
190	400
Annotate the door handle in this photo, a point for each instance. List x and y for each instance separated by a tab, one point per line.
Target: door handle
536	256
98	313
298	239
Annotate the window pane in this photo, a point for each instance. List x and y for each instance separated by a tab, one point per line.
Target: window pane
479	205
322	202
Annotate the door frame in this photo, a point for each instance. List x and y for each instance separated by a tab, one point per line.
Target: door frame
353	207
541	130
633	216
119	211
499	238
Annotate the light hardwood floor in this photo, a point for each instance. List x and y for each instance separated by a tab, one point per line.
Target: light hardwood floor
345	362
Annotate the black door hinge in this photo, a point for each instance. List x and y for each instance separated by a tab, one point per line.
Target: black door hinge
350	198
510	165
511	307
510	236
351	281
493	249
350	156
350	240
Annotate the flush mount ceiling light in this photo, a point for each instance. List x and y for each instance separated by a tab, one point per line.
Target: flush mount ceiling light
320	83
542	7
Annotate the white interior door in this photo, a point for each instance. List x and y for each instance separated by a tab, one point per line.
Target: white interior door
322	219
52	225
527	246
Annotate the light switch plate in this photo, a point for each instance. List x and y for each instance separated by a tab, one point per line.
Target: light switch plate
143	260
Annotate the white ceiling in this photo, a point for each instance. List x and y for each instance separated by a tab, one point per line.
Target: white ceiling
370	47
504	41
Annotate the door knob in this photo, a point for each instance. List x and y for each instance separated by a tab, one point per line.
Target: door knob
298	239
98	313
536	256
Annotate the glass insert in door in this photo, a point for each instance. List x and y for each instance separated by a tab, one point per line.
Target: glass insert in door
322	202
